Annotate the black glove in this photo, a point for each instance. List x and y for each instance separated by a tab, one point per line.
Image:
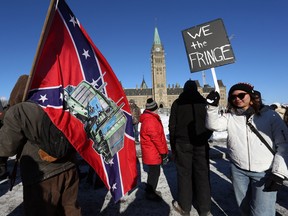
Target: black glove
213	98
165	159
273	183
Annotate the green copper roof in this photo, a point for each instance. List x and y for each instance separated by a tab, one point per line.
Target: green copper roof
156	37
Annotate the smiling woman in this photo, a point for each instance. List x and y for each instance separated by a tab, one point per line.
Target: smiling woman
254	168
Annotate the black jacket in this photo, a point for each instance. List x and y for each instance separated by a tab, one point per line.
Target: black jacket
187	120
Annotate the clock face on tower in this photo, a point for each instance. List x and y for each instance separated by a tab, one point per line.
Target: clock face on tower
157	49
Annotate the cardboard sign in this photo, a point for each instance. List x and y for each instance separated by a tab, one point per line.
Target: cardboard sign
207	46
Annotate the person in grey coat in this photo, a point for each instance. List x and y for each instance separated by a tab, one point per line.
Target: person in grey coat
47	159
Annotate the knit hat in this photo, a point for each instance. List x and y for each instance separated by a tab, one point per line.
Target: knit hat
247	87
190	85
151	105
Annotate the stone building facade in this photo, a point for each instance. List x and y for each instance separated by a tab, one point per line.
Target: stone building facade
164	95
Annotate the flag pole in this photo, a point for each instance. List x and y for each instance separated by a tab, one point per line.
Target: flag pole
44	33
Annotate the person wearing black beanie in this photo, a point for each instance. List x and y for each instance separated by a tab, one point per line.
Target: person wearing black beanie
151	105
247	87
258	148
153	147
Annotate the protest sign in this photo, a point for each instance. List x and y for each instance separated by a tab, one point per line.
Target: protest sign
207	46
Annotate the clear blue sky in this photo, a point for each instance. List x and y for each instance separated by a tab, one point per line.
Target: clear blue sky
124	30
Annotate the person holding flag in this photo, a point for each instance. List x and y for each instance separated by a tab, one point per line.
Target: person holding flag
76	87
100	128
48	161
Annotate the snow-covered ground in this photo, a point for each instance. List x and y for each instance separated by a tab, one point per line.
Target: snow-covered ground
97	201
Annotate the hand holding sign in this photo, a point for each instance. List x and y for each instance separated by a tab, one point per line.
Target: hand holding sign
213	98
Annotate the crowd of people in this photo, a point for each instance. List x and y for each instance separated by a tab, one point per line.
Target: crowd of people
257	144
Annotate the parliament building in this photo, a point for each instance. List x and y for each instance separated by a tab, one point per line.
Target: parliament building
164	95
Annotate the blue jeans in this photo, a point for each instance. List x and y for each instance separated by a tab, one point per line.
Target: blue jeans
248	188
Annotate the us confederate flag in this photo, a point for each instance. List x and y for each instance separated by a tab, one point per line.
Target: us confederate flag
72	81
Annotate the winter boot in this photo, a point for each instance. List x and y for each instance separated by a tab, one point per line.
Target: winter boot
152	195
178	209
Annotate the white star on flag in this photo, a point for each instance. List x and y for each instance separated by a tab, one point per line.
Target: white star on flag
85	53
73	20
94	82
111	162
61	96
43	98
114	186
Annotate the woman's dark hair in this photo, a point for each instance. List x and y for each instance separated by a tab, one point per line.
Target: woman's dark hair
257	104
285	117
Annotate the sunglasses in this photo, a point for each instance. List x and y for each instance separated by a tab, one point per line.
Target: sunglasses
240	96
